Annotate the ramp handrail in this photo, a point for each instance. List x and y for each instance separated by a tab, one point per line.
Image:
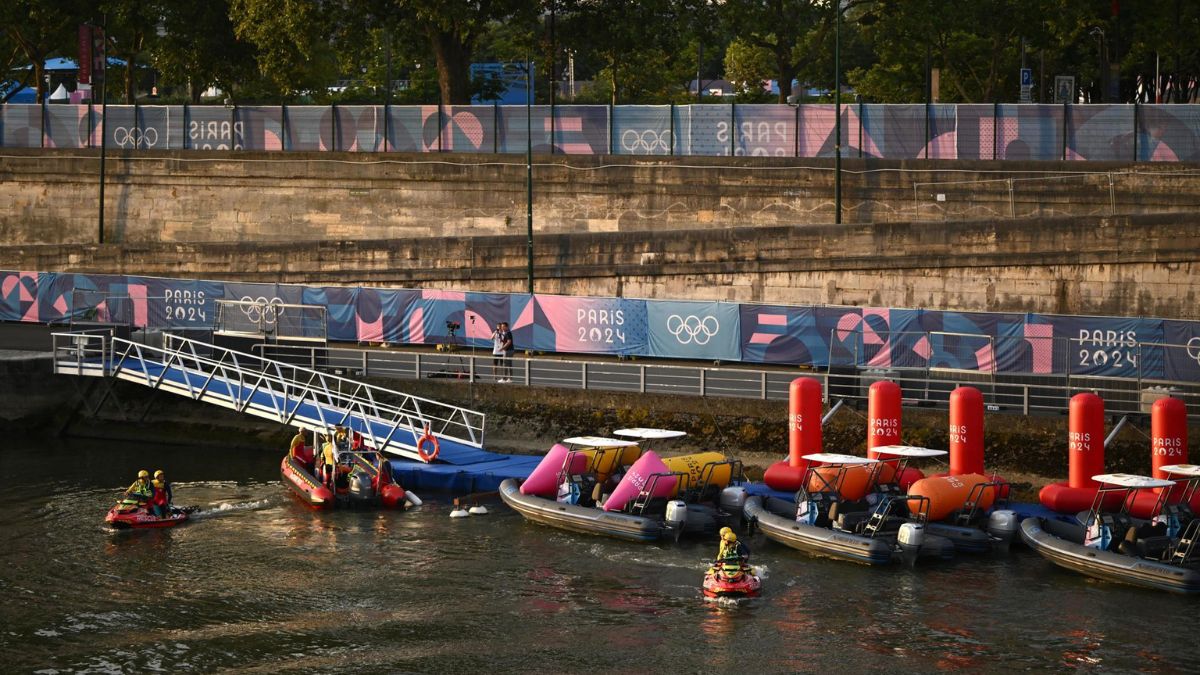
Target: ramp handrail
268	388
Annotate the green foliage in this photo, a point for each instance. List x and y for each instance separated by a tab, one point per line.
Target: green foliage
289	38
748	66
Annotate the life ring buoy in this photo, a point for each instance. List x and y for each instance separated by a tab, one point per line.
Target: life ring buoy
427	439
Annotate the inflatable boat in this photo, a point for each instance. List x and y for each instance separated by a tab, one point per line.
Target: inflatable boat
363	479
1115	546
730	580
138	517
830	519
958	508
589	489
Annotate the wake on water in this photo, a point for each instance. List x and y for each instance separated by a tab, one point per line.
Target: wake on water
226	508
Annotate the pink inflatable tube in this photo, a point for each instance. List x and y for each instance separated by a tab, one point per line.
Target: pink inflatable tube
543	481
636	478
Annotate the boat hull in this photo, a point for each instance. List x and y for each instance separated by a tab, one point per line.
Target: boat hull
139	518
581	519
1039	535
818	540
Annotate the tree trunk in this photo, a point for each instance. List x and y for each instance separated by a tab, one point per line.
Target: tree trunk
129	75
39	75
785	78
454	66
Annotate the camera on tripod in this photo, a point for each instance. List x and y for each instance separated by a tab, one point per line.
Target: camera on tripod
452	326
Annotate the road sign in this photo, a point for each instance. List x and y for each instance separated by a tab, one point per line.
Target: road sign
1027	77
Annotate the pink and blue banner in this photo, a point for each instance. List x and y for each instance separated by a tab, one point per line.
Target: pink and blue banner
817	336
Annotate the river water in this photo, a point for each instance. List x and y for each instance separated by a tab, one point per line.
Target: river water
259	583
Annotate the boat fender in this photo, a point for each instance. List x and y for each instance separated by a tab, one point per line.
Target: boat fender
733	499
459	512
911	537
478	510
1002	524
676	513
427	440
412	498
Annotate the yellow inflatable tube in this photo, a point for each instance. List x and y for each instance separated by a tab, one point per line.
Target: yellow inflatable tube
605	461
694	467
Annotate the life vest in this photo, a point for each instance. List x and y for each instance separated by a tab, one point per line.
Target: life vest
159	498
140	489
328	454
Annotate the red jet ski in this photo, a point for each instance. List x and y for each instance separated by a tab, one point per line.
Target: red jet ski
731	579
124	516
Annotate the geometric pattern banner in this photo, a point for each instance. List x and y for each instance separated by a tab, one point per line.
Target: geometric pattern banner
819	336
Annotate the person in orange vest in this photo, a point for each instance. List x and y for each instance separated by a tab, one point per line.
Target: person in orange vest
159	505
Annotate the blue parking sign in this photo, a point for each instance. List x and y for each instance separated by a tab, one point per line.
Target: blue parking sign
1026	77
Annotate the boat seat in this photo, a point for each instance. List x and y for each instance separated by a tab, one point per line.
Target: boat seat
1153	548
852	521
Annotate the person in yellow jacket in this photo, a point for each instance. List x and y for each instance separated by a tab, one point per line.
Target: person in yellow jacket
329	460
731	549
139	493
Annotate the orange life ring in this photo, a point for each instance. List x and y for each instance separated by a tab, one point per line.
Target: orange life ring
429	438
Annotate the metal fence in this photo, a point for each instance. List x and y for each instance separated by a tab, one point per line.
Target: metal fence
1115	132
1021	393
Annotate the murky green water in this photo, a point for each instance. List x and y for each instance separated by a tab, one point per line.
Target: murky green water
259	583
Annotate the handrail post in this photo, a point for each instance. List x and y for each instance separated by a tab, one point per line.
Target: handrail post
1025	399
642	378
583	375
418	365
763	385
527	379
703	381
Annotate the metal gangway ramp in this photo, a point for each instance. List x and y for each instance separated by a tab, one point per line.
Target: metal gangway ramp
388	420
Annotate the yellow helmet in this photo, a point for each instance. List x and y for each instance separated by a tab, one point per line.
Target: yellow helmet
724	531
143	474
729	536
158	474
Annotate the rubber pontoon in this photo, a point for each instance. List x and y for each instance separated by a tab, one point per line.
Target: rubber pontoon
583	519
821	541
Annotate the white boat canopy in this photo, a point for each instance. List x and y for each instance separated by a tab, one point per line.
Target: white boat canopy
835	458
650	434
1186	470
1129	480
598	442
908	451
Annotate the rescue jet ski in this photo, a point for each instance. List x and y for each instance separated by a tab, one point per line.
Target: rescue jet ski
1159	553
731	579
124	517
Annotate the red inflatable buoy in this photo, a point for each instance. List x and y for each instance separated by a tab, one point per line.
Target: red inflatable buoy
883	428
966	431
1085	456
804	435
1168	445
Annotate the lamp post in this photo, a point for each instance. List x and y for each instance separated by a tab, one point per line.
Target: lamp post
837	99
529	170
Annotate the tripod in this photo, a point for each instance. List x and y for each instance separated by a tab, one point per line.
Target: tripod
452	345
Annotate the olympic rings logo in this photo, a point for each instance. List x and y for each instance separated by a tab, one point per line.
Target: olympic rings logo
1193	349
135	137
693	329
261	310
647	142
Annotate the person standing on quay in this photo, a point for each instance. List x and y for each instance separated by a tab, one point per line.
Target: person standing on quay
498	352
507	344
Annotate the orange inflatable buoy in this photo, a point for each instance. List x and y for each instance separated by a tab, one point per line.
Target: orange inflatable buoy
427	439
854	482
948	494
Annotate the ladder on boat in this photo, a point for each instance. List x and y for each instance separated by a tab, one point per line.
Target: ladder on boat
389	421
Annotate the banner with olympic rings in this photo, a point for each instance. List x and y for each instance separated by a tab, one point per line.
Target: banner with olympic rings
693	330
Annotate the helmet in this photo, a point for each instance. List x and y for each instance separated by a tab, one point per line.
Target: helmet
143	474
729	536
158	474
725	531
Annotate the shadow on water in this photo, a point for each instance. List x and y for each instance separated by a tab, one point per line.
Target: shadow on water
258	582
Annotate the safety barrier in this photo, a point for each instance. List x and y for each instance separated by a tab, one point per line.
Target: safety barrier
924	387
1116	132
286	393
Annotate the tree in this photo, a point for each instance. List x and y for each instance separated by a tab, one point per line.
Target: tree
290	39
129	24
39	29
748	66
198	48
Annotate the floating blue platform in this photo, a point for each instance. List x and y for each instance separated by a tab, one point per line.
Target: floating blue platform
483	474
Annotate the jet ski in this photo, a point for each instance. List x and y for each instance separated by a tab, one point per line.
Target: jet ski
125	517
731	579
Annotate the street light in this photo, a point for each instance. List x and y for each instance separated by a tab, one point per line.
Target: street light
529	170
837	99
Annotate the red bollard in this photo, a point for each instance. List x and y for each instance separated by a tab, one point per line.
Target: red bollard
804	420
1085	447
804	435
966	431
883	415
1168	434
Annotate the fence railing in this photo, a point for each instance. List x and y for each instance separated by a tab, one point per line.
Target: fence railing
1113	132
925	387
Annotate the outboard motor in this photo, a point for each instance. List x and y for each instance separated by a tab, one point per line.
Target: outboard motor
676	518
1002	525
910	538
733	500
360	488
